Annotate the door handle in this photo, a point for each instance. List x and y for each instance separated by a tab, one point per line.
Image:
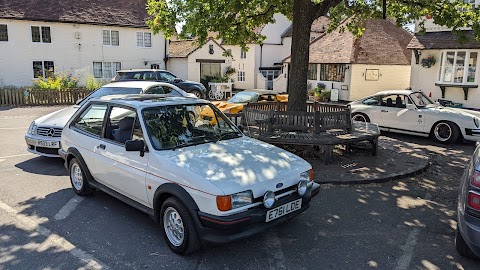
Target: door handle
101	146
384	111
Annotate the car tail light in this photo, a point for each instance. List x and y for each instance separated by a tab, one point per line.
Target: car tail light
224	203
474	200
311	175
475	179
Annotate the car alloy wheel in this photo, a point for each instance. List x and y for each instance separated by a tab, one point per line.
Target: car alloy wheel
173	226
77	176
197	93
359	117
442	132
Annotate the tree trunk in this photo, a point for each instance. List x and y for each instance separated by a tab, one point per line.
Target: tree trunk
303	16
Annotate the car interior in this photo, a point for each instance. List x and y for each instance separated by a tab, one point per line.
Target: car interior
388	101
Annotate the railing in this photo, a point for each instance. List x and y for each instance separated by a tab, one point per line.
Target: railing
33	97
311	106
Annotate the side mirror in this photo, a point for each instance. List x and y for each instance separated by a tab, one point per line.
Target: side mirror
79	101
411	107
135	146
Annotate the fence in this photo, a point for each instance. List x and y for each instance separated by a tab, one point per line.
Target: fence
33	97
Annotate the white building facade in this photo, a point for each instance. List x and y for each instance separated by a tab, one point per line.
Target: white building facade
453	75
32	48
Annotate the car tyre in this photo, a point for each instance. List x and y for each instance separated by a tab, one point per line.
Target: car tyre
360	117
78	178
197	93
462	247
178	228
445	132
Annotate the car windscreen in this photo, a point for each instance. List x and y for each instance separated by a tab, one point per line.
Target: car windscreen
174	126
420	99
106	91
244	97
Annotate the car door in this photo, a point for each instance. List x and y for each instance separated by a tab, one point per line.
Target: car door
88	128
118	169
398	118
372	109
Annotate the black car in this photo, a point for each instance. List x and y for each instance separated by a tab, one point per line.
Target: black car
159	75
467	240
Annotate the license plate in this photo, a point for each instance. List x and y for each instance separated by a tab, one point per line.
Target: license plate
48	144
283	210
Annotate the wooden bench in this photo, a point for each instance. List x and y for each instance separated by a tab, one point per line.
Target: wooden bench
323	128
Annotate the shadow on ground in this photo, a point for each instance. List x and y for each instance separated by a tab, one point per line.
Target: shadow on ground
44	166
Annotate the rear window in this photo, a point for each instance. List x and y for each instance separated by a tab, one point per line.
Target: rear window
136	75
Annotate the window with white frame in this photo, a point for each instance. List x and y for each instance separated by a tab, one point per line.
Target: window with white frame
106	70
241	76
458	67
3	32
243	54
144	39
111	38
41	34
43	69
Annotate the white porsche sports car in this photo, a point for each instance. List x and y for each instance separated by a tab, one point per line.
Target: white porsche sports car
412	112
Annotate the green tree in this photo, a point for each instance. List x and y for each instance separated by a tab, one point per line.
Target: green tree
235	22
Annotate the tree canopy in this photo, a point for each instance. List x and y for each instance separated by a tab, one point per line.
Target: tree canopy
235	21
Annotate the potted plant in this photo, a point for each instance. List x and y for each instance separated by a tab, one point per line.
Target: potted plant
326	95
317	93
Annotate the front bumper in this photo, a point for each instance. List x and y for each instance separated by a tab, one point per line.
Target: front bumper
472	134
33	145
218	229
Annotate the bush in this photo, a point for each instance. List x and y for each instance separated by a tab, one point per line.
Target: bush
91	83
60	81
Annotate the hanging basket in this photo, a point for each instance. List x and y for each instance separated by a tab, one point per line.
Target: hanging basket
428	61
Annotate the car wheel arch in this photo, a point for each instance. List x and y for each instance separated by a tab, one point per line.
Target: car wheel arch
168	190
74	153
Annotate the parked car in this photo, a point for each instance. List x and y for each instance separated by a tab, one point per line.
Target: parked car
158	75
235	104
201	182
412	112
43	135
467	238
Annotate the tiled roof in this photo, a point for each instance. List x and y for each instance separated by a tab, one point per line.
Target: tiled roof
442	40
318	26
184	47
382	43
106	12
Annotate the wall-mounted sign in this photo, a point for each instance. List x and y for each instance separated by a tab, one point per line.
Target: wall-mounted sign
372	74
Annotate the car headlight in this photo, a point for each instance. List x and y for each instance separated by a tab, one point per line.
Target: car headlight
477	123
229	202
302	187
33	128
269	199
307	175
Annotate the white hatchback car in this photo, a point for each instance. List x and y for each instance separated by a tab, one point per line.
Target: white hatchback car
201	181
43	135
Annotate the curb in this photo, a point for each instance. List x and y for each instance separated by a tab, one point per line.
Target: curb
393	176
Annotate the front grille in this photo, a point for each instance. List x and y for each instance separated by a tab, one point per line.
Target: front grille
45	150
49	132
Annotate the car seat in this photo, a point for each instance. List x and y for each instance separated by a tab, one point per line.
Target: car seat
124	131
390	102
399	102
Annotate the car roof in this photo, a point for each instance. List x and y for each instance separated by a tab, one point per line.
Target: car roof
397	92
140	70
260	91
138	84
148	100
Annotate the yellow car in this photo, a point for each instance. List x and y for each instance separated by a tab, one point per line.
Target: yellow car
236	103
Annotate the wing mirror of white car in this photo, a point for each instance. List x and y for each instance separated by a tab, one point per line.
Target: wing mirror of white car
135	146
411	107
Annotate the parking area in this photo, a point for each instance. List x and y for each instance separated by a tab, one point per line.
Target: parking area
403	224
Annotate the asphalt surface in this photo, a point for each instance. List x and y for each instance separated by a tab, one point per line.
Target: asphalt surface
403	224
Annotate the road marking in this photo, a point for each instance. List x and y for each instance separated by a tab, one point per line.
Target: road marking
403	262
12	128
53	239
20	155
68	208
